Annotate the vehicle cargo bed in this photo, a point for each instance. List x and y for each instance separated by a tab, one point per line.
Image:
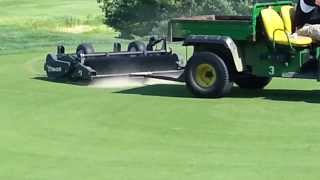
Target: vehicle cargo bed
236	27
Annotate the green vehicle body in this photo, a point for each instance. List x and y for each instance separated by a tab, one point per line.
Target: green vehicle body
259	56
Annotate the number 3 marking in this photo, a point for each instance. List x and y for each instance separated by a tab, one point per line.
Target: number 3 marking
271	70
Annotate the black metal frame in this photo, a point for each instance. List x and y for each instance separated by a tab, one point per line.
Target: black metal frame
88	66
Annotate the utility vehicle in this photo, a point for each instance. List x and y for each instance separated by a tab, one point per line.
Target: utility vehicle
244	50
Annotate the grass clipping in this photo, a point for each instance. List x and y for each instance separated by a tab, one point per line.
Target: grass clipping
65	24
76	29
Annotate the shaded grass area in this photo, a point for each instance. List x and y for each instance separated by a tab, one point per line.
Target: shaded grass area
287	95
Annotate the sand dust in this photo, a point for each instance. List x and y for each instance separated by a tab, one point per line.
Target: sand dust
127	82
76	29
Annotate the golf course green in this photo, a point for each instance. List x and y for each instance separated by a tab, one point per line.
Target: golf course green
61	131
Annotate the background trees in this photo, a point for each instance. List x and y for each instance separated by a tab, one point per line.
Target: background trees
145	17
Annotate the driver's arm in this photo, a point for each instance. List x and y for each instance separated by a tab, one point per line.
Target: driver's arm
303	12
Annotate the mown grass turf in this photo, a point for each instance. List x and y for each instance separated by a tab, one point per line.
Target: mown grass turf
29	24
60	131
32	8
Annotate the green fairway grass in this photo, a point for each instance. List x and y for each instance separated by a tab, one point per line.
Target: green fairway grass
53	131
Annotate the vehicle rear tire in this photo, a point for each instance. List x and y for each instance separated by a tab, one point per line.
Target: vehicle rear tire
207	75
136	46
252	82
85	48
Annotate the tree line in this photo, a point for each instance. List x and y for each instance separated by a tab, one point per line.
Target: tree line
146	17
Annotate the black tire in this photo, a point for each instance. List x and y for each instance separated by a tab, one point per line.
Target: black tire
136	46
85	48
252	82
207	66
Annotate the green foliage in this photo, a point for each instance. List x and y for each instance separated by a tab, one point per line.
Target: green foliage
140	17
216	7
135	16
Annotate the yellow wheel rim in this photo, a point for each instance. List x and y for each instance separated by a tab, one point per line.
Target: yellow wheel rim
206	75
